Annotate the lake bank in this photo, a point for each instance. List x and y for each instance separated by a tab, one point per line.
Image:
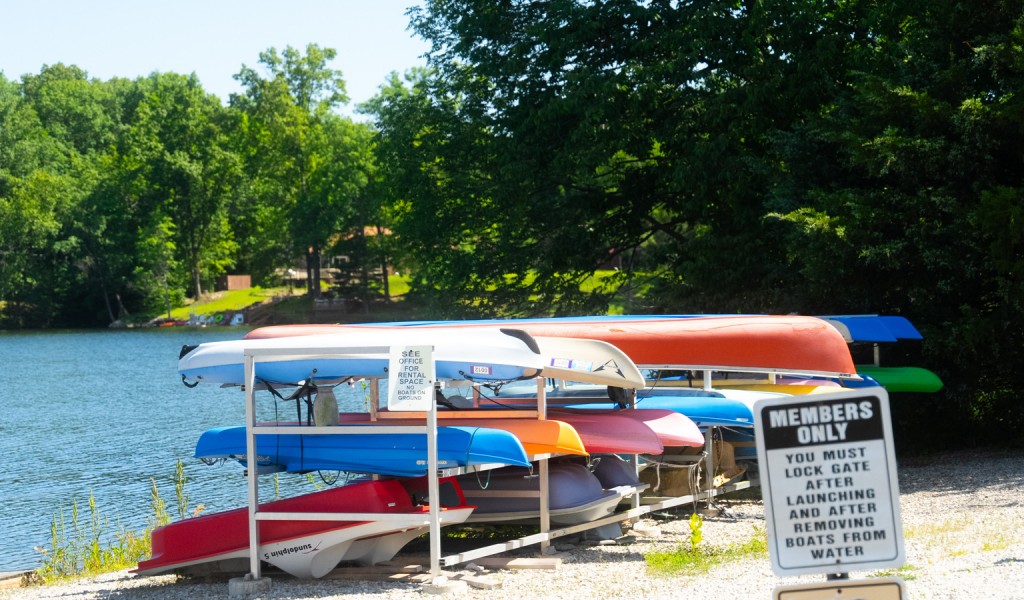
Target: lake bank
963	518
105	413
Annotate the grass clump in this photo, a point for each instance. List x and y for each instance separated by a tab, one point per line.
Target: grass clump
82	545
967	534
905	572
79	546
698	558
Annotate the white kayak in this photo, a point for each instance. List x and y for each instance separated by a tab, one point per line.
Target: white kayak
568	359
495	355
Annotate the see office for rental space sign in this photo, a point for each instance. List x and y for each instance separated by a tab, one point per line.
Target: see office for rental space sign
828	476
411	377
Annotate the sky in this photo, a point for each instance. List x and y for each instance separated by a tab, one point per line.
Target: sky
212	38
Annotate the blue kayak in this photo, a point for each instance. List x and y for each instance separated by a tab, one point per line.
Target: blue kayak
874	328
705	411
396	454
721	407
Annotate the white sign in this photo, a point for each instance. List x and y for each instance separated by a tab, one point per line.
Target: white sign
411	378
883	588
828	476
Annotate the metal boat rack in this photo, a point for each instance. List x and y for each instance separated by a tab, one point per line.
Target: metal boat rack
543	538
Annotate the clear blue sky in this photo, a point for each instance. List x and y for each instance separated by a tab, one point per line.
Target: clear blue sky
212	38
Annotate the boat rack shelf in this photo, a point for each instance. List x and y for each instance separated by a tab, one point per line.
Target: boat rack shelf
662	503
433	517
543	538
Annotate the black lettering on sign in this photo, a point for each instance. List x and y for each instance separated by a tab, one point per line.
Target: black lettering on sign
825	422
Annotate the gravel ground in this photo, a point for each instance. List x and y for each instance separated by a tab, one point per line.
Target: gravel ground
963	518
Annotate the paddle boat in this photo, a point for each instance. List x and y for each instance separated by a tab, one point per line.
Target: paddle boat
575	495
219	542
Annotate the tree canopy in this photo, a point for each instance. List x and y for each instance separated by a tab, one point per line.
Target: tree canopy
777	156
812	157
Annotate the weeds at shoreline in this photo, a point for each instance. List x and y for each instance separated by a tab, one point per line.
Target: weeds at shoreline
77	548
81	546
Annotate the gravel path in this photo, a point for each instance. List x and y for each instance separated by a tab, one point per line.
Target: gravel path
963	518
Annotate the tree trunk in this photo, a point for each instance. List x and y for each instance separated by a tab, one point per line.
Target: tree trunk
198	282
106	300
384	266
313	271
309	272
316	271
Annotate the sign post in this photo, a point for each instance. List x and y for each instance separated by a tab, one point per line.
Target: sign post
411	380
882	588
828	475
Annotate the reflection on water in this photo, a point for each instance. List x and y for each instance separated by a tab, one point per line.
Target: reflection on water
105	412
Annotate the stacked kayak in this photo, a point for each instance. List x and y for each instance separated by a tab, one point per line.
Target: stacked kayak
219	543
311	548
496	355
601	351
763	343
576	495
862	330
394	454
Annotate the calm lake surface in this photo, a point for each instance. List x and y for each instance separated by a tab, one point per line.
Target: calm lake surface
105	412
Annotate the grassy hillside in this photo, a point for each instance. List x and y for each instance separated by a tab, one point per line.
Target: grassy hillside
291	304
222	302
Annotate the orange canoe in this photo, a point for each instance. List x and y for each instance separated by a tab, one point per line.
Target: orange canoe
537	436
765	343
788	344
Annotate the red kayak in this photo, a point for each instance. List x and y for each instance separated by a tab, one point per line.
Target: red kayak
671	428
219	542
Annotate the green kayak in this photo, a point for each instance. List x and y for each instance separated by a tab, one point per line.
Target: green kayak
902	379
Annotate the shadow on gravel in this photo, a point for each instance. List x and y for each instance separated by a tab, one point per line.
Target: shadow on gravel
962	472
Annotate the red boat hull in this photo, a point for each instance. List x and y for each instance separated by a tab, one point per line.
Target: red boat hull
220	541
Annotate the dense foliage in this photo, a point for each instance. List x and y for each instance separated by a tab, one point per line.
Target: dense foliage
125	197
774	156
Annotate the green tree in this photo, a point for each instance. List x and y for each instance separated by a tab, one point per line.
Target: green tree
73	109
307	165
192	172
771	156
62	156
613	130
27	220
909	192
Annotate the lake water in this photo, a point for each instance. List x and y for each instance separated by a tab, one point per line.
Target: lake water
105	412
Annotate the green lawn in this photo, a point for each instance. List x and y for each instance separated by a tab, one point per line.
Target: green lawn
220	302
235	300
